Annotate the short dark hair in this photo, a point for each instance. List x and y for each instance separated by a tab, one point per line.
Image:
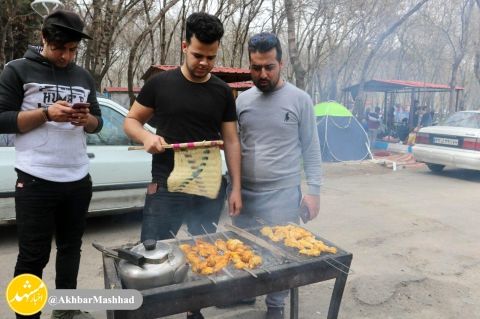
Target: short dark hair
207	28
264	42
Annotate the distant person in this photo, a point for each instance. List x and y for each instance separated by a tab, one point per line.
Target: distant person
415	110
424	118
38	96
403	130
400	114
365	119
373	123
390	118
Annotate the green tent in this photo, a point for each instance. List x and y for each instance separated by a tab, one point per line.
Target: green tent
342	137
331	108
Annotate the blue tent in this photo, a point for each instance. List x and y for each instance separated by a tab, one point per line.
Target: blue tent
342	137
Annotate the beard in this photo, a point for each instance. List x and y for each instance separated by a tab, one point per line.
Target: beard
266	85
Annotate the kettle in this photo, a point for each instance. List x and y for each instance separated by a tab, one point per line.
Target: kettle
151	264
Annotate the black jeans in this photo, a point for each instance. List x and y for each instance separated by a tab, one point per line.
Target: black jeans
44	208
165	212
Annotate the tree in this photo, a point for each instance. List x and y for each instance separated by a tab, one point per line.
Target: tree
359	105
298	69
106	17
19	27
137	43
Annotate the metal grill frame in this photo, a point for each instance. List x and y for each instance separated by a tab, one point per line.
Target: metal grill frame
202	293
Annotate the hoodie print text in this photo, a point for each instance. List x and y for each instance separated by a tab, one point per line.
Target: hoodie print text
40	95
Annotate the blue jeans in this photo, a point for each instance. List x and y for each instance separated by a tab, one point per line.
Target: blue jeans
44	208
165	212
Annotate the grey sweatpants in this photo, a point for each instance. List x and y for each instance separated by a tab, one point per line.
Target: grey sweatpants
275	207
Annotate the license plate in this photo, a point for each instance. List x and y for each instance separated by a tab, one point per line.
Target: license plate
445	141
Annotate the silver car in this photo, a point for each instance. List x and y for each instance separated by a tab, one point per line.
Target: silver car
455	142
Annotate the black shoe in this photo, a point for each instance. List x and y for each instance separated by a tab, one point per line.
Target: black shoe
275	313
249	301
195	314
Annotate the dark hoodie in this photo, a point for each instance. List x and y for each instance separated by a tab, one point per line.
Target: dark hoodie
53	151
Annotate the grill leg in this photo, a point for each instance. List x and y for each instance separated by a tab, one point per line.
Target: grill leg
337	294
294	303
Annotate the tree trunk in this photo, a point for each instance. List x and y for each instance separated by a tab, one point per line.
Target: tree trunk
359	100
298	69
136	45
477	52
460	53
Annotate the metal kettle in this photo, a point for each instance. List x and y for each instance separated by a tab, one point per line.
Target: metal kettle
151	264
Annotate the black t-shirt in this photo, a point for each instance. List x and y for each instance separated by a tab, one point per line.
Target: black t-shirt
185	111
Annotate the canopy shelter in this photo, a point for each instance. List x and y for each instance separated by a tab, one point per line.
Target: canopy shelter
237	78
392	87
342	137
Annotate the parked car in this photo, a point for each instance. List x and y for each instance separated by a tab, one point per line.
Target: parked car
119	176
454	142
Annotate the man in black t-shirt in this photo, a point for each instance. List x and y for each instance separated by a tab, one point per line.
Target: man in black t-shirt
188	104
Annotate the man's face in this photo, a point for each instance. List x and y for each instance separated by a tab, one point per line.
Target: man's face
199	57
60	55
265	70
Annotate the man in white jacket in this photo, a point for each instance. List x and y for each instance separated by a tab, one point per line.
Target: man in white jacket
39	98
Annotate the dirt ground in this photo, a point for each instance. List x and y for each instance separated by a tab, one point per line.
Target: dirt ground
413	234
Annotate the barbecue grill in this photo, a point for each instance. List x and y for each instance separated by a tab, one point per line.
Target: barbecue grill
283	268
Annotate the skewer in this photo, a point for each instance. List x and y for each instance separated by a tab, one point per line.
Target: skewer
178	243
260	221
182	145
250	272
247	270
349	270
224	269
193	239
176	238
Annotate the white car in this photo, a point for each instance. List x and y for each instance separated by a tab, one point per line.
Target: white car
119	176
456	142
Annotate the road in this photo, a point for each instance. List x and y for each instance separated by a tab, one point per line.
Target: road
413	234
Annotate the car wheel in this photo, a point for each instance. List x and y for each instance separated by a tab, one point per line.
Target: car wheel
437	168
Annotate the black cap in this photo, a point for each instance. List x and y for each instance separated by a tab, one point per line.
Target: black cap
67	21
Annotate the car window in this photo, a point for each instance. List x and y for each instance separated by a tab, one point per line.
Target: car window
112	132
463	119
7	140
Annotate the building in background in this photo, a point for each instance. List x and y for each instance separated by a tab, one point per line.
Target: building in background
238	79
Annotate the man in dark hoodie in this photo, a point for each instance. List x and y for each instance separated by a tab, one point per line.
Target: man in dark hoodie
37	102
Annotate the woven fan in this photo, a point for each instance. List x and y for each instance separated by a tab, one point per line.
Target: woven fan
197	168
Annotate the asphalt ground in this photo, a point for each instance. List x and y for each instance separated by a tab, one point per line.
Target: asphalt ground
413	234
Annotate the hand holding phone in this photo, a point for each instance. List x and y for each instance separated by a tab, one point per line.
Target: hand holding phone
304	213
79	115
77	106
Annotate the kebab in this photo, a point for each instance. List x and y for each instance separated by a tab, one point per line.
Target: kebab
297	237
206	258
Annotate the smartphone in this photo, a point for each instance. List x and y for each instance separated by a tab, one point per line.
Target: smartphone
304	213
81	105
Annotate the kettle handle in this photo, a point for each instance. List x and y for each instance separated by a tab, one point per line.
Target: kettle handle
131	256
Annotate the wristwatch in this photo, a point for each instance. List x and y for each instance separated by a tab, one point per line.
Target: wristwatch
45	113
